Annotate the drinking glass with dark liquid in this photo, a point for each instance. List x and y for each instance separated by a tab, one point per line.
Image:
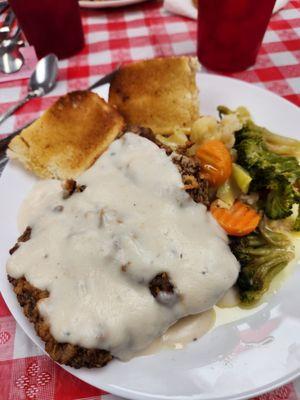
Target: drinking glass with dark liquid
230	32
51	26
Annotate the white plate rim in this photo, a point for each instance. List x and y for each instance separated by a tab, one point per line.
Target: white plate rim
108	3
127	393
96	4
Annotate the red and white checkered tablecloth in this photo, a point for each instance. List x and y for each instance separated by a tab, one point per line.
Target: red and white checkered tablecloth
114	36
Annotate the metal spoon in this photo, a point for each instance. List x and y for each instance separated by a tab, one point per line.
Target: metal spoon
42	81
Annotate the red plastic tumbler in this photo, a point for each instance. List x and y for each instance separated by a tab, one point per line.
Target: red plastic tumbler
230	32
51	26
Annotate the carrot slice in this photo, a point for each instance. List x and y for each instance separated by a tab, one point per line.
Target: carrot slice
216	162
238	220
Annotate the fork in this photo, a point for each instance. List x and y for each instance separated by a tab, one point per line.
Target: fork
7	25
3	6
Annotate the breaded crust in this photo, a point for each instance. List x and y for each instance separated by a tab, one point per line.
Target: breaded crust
63	353
68	137
160	94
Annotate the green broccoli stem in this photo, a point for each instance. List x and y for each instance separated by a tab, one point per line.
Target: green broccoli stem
255	241
265	264
259	269
261	252
278	144
252	296
277	239
223	110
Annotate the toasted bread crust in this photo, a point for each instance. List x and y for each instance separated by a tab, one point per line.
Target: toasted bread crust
160	94
69	136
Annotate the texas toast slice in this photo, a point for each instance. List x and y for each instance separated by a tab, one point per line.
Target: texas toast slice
68	137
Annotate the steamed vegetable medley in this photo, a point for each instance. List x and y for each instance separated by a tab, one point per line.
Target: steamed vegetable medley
254	178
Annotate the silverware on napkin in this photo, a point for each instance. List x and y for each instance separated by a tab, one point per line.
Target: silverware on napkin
3	6
5	29
11	59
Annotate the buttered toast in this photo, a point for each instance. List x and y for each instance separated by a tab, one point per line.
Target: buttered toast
68	137
160	94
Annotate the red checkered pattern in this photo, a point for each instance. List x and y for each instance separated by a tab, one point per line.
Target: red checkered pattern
124	35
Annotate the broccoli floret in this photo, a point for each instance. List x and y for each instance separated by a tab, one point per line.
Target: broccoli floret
280	199
277	144
254	155
262	254
273	176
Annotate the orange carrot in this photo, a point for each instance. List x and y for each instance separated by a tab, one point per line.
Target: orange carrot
239	220
216	161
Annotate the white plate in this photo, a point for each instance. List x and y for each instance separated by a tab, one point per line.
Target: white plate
234	361
107	3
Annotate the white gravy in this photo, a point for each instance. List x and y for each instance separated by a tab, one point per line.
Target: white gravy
183	332
97	256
